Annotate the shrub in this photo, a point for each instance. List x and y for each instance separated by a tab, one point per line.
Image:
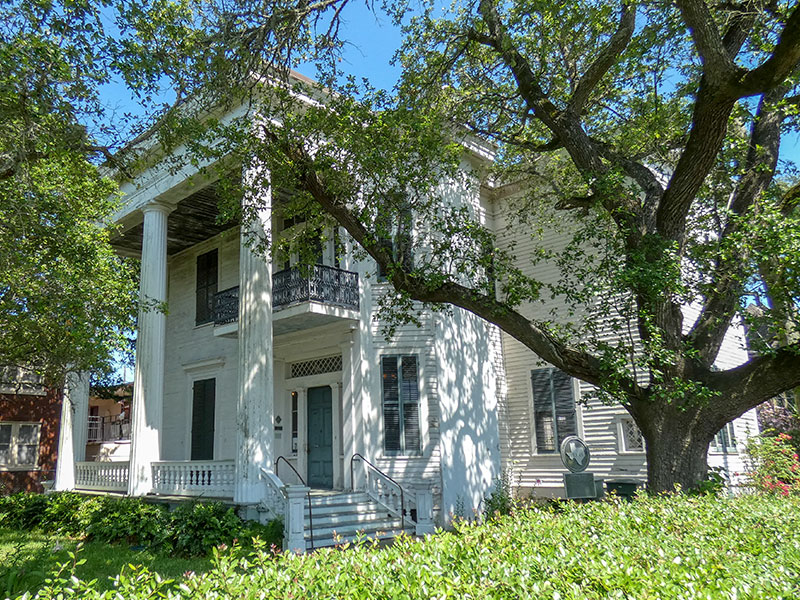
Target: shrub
653	547
501	500
774	464
129	520
63	513
191	530
23	510
199	526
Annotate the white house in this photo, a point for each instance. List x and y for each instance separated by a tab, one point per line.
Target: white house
275	389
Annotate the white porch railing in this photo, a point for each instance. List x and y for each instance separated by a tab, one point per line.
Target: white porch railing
214	478
102	476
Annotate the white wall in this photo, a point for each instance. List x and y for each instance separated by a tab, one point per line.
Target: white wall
469	390
194	352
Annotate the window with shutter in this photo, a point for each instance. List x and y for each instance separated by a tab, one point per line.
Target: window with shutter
206	287
401	429
554	412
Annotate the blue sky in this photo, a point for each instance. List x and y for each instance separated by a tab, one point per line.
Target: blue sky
372	41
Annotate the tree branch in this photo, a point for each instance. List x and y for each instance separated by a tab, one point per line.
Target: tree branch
781	63
718	66
575	362
605	59
757	380
762	158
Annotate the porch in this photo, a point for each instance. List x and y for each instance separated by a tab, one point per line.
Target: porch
377	506
207	479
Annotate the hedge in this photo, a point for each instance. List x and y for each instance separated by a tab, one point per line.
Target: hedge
192	529
663	547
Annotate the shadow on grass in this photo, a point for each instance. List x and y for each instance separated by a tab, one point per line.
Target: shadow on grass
27	559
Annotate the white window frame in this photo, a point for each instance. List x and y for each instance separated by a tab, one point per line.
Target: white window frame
713	448
622	447
14	466
209	368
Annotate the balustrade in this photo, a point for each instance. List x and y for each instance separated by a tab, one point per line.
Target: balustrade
213	478
102	476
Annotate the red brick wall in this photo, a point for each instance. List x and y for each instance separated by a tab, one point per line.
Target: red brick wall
42	409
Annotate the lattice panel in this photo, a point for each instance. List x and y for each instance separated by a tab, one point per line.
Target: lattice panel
632	436
328	364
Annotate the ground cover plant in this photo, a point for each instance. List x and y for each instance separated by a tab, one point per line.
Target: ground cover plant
28	559
654	547
192	529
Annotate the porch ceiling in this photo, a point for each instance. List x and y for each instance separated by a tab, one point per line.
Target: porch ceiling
194	219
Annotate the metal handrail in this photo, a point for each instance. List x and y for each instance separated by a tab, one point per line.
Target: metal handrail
308	494
387	478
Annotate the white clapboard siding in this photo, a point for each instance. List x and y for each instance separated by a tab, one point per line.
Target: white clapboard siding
542	474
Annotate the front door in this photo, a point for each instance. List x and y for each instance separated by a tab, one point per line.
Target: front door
320	437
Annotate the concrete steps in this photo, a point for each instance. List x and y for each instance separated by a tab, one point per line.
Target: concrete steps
348	517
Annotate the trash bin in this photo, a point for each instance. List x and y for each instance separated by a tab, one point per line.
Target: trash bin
624	488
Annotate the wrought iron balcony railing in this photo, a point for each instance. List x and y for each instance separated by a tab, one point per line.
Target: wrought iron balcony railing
226	306
320	283
110	428
325	284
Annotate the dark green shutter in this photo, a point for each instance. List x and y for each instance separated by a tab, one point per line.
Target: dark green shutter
391	404
410	396
401	430
203	401
553	408
207	267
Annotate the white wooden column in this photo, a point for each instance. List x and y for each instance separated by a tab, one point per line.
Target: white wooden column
73	430
255	434
148	378
336	438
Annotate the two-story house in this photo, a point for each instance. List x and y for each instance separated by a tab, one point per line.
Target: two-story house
273	387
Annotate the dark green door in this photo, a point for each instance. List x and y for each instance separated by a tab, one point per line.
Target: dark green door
320	438
203	400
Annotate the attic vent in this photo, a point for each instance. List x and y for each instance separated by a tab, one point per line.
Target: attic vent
329	364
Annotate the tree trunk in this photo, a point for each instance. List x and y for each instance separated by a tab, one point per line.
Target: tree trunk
677	447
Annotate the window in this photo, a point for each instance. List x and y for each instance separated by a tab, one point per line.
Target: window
725	440
206	287
19	445
553	408
401	434
396	237
631	439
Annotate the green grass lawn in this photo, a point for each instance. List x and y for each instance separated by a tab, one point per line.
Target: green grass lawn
28	558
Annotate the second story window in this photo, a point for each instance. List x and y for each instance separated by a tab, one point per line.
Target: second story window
395	234
206	287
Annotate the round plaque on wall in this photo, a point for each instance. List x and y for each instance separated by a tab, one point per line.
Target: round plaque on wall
575	454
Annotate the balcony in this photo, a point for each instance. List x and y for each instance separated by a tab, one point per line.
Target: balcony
300	299
327	285
109	429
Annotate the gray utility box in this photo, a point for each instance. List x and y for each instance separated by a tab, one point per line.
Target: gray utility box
580	485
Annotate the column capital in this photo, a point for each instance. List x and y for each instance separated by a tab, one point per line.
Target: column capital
158	206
